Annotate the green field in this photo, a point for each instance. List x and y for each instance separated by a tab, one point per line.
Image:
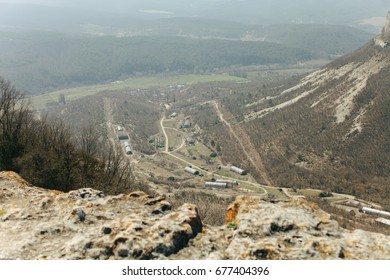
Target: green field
172	123
145	82
252	188
277	72
275	192
309	193
175	138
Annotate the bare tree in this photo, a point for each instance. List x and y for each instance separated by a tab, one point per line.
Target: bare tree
14	118
46	153
117	170
89	141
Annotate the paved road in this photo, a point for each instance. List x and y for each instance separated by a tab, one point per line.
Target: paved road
166	151
165	135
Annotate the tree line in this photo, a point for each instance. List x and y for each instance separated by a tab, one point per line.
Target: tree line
47	154
40	63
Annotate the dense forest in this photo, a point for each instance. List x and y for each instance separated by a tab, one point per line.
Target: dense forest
45	61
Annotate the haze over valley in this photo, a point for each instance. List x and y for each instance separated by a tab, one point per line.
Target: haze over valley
190	108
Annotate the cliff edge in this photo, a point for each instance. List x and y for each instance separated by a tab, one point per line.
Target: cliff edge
383	40
86	224
386	29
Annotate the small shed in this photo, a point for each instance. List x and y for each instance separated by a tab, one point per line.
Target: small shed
122	135
372	211
219	185
230	183
238	170
127	148
151	139
185	123
190	141
383	221
191	171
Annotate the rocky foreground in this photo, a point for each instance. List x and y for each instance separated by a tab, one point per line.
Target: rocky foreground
36	223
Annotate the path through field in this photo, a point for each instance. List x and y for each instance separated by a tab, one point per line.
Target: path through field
245	144
109	119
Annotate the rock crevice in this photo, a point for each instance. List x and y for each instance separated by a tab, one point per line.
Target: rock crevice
36	223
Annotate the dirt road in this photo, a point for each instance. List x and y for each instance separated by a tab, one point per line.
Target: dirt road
166	151
248	148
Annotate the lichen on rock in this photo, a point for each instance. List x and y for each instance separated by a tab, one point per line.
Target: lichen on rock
86	224
297	229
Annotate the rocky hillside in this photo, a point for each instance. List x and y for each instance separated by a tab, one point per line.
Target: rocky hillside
330	130
86	224
386	29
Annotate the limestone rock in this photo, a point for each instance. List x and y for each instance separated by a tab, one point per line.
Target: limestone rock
86	224
296	230
386	29
211	244
383	40
36	223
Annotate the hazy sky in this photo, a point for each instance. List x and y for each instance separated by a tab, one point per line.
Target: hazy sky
42	2
250	11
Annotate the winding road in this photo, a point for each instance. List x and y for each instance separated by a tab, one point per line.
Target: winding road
166	151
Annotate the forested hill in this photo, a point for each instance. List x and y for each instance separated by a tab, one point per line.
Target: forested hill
43	61
43	48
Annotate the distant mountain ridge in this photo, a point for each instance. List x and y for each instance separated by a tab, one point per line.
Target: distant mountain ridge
32	36
249	11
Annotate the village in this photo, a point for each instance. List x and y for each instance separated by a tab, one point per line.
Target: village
182	161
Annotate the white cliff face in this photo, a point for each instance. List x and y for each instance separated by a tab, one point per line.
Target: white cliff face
386	29
383	40
85	224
